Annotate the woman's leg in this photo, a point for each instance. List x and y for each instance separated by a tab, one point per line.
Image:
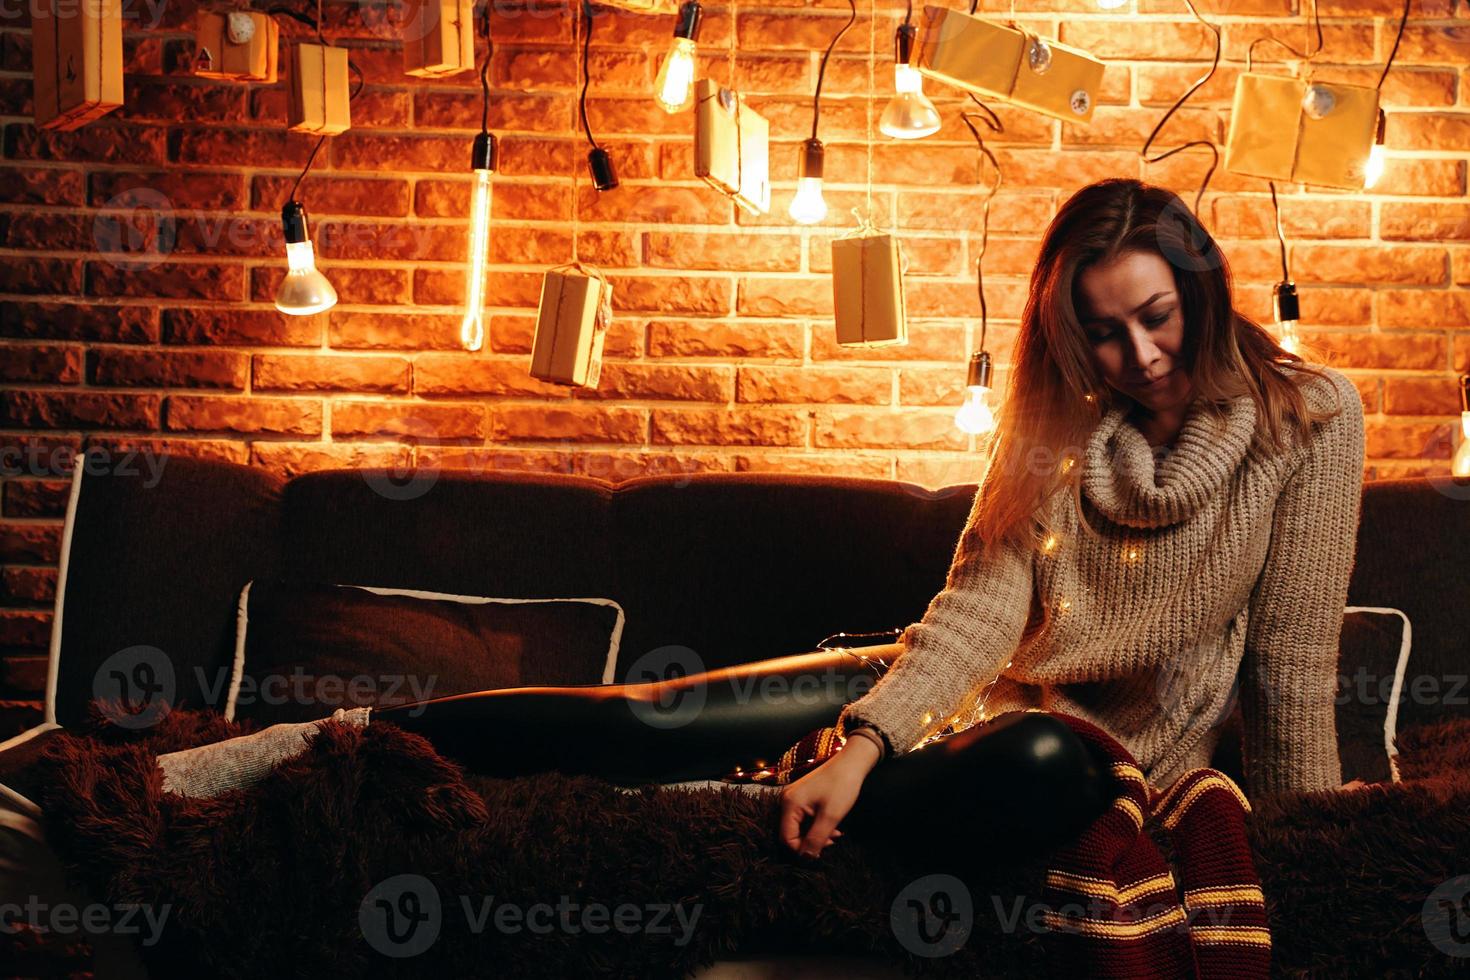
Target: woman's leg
695	727
1020	784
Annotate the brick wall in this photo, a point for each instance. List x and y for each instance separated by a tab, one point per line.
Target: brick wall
721	356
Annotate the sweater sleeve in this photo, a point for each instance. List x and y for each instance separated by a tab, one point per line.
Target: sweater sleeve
1289	669
963	641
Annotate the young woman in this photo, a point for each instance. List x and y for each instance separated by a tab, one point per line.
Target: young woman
1168	519
1171	499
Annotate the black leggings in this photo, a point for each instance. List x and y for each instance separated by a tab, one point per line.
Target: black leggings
1023	775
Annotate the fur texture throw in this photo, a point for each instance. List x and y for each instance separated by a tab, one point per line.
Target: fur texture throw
338	862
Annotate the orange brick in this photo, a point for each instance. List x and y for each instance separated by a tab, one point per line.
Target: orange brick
742	251
419	420
706	383
749	427
825	385
1421	396
741	338
884	428
873	467
329	372
569	423
169	369
40	363
245	416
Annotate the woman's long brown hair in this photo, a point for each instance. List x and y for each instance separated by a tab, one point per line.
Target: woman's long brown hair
1055	396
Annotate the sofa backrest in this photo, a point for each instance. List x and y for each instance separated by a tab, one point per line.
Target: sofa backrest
735	567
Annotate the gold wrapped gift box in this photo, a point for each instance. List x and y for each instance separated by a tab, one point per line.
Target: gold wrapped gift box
731	146
571	322
867	290
78	61
1284	128
245	51
320	90
997	61
438	37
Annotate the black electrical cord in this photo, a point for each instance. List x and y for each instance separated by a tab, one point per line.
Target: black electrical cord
822	70
485	73
1214	150
1402	21
1316	16
967	118
1276	210
586	48
315	25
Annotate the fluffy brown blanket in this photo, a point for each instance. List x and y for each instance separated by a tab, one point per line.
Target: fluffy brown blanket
370	854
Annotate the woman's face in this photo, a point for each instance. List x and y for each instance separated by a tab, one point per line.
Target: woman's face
1134	324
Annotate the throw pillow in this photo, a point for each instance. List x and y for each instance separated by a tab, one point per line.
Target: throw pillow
303	650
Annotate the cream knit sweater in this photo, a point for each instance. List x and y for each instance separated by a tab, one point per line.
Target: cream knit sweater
1216	562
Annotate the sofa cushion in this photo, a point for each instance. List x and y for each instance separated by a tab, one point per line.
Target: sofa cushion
307	649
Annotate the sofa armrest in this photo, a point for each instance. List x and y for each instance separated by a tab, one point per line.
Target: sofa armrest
18	786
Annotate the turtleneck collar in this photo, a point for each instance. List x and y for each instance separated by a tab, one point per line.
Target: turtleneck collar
1124	479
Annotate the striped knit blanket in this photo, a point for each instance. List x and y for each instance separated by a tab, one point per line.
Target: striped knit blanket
1114	906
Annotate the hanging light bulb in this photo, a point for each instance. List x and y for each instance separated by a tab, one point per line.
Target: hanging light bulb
1460	464
482	162
1374	168
676	76
304	290
808	206
1288	312
909	115
975	415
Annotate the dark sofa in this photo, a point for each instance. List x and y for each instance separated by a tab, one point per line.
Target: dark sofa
738	567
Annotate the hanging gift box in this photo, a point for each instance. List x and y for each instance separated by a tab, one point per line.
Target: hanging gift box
237	46
320	90
867	289
571	321
997	61
78	61
438	37
1310	132
731	146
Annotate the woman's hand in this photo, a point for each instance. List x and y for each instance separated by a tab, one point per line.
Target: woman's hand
824	796
1354	784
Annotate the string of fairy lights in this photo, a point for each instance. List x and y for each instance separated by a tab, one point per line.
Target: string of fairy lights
1284	126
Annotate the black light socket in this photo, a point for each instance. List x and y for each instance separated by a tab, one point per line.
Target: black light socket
1382	125
979	370
690	14
809	164
482	155
601	166
293	220
1465	392
903	44
1284	297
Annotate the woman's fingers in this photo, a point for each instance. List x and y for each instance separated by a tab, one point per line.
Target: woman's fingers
792	815
820	834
